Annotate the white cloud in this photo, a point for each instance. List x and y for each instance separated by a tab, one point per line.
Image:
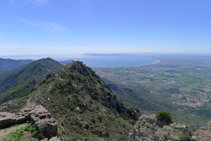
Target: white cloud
41	1
11	1
6	26
23	2
57	27
51	26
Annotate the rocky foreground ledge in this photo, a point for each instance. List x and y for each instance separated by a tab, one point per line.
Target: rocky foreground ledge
203	134
37	114
148	128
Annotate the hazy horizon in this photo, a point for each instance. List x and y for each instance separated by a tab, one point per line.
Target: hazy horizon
64	57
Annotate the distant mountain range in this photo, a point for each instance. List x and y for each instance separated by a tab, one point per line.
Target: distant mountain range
10	64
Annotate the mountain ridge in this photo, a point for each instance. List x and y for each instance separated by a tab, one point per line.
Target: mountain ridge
83	106
10	64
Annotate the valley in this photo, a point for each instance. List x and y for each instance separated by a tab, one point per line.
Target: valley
178	84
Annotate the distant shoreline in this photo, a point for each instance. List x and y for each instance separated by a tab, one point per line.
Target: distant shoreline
157	62
154	63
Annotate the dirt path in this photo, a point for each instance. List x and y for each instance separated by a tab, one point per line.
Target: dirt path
6	131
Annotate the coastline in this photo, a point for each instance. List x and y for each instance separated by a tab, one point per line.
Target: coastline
157	62
154	63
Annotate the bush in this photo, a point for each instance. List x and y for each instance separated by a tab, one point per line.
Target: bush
92	120
32	128
164	116
100	117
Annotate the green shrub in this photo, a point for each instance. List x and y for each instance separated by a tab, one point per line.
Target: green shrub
92	120
100	117
164	116
32	128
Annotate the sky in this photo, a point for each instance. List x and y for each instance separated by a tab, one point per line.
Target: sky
71	27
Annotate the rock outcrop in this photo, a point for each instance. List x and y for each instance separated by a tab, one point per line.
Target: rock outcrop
42	119
148	128
52	139
9	119
203	134
37	114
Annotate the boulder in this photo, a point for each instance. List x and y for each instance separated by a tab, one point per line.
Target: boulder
51	139
9	119
42	119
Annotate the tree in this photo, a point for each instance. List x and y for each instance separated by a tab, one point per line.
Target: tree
164	116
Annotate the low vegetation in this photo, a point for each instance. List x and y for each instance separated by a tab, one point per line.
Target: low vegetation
27	133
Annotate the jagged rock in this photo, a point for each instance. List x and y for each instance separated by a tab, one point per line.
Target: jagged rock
55	139
85	125
203	134
38	114
148	128
178	126
52	139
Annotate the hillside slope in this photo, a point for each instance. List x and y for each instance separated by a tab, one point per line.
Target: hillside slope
138	99
83	106
21	81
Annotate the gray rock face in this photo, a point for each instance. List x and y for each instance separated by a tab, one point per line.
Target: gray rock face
9	119
148	128
55	139
52	139
37	114
203	134
42	119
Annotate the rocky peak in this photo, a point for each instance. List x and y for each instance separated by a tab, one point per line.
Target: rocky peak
80	67
84	80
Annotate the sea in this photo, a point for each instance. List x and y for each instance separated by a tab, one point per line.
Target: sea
115	60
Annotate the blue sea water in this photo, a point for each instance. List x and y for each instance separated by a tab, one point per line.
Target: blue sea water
115	60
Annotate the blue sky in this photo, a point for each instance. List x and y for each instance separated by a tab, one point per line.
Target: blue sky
104	26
